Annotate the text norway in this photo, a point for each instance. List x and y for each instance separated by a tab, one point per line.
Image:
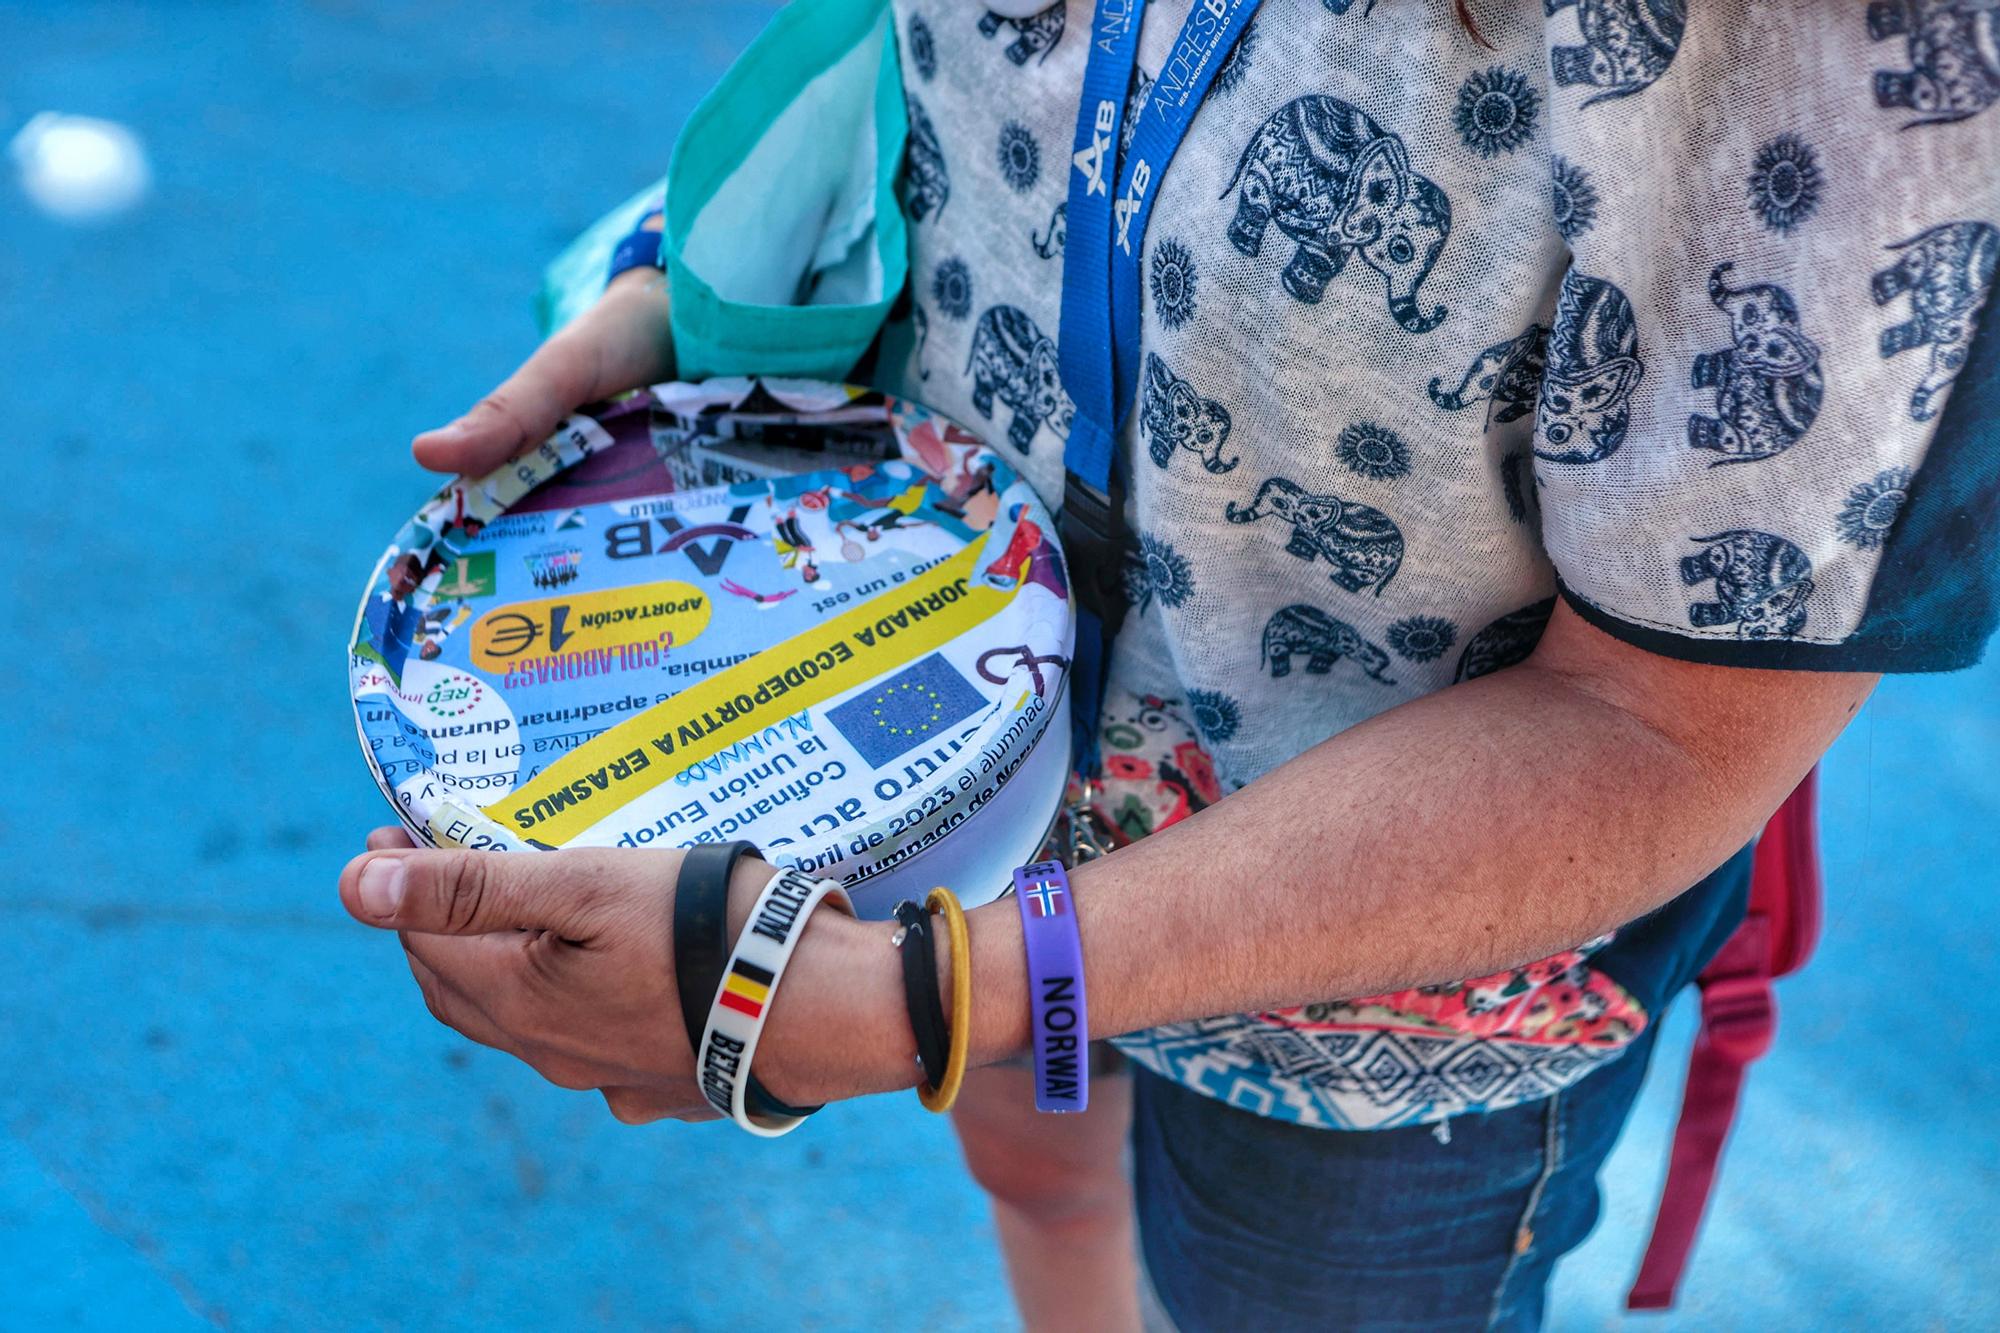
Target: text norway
1058	1038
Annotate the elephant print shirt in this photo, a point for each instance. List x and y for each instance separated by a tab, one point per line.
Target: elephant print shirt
1652	307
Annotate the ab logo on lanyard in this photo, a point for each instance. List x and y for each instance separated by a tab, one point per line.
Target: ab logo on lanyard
1212	27
1135	190
1090	161
1098	342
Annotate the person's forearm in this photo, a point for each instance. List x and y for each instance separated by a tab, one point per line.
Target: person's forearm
1470	830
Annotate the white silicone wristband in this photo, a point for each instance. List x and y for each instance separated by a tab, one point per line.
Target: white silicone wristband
749	985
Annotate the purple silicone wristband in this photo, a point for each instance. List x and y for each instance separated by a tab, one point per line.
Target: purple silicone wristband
1055	987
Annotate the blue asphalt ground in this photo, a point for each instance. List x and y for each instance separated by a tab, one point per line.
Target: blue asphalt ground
221	1102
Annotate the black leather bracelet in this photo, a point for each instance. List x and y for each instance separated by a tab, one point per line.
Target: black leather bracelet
701	950
701	928
920	991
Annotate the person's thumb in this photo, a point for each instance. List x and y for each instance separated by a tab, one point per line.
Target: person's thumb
462	893
620	343
578	894
518	415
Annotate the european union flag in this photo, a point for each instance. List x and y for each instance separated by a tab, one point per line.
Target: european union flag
913	706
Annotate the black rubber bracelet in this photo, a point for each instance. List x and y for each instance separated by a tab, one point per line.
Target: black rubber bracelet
701	950
701	928
920	991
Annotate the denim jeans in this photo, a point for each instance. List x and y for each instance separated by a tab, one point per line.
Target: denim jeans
1253	1223
1249	1223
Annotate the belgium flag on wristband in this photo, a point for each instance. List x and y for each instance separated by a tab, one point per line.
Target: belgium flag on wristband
745	988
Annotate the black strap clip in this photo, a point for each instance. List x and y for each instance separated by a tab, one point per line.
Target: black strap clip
1093	538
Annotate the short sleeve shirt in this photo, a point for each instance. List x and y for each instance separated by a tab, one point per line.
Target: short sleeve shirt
1653	310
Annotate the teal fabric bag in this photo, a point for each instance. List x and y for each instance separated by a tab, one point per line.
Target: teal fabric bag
784	243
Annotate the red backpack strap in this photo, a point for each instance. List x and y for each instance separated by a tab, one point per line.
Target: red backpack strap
1739	1016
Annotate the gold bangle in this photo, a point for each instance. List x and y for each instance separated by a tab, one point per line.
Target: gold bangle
940	1098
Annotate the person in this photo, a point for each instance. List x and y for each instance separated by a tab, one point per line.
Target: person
1543	439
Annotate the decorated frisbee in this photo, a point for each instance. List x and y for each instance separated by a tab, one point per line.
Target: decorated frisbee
812	616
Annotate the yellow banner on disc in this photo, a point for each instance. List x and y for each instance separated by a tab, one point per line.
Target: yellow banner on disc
622	764
672	612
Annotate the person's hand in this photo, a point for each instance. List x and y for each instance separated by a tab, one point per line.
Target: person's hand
562	959
565	960
620	343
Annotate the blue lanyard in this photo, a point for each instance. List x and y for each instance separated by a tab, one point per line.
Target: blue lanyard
1098	343
1106	219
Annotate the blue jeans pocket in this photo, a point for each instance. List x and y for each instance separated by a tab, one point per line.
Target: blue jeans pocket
1247	1222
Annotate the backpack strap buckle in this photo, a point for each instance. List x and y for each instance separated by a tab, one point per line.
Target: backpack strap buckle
1739	1016
1739	1012
1093	537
